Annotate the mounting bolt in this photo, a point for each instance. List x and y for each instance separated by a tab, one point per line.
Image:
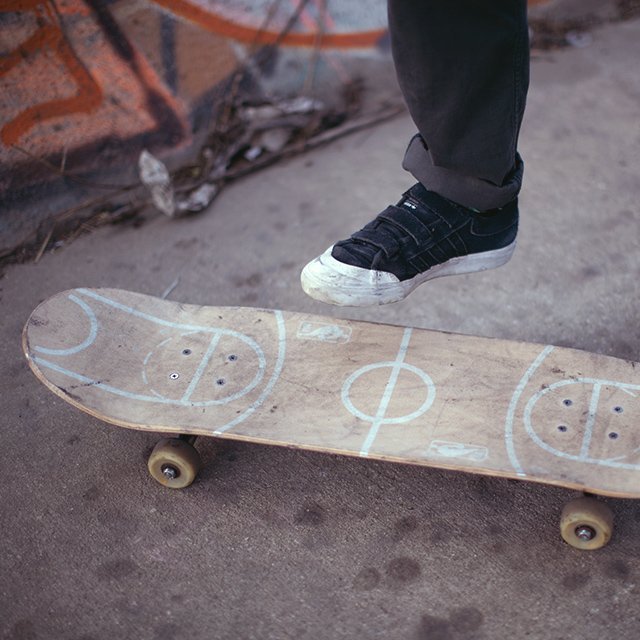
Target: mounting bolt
169	472
585	533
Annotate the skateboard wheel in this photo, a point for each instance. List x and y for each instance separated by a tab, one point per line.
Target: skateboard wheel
174	463
586	523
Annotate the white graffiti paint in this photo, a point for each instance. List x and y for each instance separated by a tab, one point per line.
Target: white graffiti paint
458	451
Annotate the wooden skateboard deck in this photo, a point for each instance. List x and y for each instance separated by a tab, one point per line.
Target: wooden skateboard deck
546	414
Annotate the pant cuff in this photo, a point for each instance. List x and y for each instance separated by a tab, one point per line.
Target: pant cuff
468	191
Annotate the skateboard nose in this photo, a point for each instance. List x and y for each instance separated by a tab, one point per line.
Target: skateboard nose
62	326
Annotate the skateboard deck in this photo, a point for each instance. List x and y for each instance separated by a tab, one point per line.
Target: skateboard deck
482	405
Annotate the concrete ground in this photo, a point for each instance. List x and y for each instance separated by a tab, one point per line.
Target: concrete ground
271	543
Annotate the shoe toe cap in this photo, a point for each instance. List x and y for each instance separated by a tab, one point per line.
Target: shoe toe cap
329	280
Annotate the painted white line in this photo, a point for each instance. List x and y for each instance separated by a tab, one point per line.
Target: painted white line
142	314
348	403
88	341
204	362
217	334
92	382
515	398
170	288
275	376
380	418
384	402
591	420
589	426
157	398
146	361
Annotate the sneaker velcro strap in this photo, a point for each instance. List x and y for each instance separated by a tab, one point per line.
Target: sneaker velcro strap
420	227
379	237
446	210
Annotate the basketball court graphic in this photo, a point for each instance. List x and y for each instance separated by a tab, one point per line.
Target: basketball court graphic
192	366
363	389
572	421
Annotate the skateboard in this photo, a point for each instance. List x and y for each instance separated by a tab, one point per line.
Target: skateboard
482	405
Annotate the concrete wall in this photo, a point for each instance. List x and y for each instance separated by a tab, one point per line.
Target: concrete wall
85	85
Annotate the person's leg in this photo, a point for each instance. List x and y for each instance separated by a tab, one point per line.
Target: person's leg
463	70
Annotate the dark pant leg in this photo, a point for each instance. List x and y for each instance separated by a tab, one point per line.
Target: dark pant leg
463	67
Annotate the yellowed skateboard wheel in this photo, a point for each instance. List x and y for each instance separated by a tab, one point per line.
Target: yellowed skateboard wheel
586	523
174	463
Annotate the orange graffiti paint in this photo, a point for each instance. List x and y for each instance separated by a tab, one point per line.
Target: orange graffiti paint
211	21
48	36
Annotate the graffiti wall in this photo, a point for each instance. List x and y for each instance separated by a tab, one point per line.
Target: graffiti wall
85	85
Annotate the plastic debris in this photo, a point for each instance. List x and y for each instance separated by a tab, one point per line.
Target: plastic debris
199	199
155	176
248	137
579	39
274	140
252	153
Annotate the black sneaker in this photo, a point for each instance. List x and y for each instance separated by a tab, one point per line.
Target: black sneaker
424	236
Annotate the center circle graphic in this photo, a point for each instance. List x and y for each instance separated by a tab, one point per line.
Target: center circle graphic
395	367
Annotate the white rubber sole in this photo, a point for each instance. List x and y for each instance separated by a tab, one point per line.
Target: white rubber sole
333	282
